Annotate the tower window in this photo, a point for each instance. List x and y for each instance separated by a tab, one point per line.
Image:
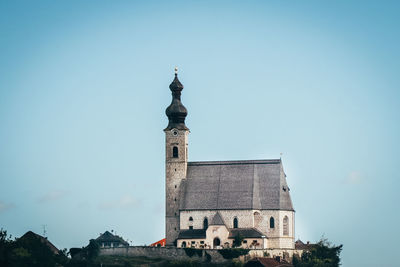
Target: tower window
191	227
190	219
175	152
271	222
235	223
286	225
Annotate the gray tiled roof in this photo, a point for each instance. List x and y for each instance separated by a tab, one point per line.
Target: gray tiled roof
245	232
217	220
109	237
227	185
192	233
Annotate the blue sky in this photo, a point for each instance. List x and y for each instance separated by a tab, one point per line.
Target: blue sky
84	87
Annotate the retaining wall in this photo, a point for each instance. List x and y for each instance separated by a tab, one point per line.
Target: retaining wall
173	253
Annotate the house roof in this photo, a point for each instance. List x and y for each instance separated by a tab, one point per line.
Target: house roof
192	233
245	232
232	185
31	235
160	242
300	245
109	237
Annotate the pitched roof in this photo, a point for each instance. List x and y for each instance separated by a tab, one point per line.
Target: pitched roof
227	185
192	233
300	245
217	220
160	242
31	235
109	237
245	232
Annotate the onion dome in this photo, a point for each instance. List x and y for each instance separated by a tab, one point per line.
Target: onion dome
176	112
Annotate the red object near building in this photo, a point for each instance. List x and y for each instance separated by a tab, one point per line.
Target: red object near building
160	243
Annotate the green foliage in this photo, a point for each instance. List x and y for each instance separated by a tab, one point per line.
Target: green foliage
27	251
322	254
208	256
237	241
4	247
296	260
74	251
182	263
231	253
191	251
236	263
92	250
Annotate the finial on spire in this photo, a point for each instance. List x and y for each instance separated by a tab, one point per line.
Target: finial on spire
176	112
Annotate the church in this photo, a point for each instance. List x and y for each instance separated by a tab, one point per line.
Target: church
216	204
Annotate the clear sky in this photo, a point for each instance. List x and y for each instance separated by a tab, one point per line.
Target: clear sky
84	87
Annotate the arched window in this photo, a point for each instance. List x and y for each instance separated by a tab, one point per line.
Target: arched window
190	219
286	225
235	223
205	223
175	152
257	219
271	222
184	244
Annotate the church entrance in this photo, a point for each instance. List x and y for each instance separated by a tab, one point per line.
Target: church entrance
216	242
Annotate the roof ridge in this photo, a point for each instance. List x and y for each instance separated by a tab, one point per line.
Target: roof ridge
236	162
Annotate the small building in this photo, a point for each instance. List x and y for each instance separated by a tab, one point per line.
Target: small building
160	243
203	238
108	240
303	246
28	236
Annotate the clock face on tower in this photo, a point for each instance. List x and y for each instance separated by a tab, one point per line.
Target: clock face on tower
174	132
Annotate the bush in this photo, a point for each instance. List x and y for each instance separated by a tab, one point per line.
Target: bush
231	253
191	251
237	242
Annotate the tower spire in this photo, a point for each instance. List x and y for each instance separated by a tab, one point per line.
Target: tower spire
176	111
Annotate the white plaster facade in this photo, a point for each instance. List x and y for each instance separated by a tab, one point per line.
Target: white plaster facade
258	219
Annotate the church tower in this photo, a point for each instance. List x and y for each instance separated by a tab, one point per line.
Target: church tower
176	158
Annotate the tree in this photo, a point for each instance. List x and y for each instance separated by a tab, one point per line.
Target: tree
322	254
237	241
4	247
29	250
92	249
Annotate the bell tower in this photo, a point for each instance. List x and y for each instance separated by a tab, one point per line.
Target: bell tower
176	158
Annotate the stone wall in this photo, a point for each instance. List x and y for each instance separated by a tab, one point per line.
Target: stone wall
172	253
169	253
175	172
